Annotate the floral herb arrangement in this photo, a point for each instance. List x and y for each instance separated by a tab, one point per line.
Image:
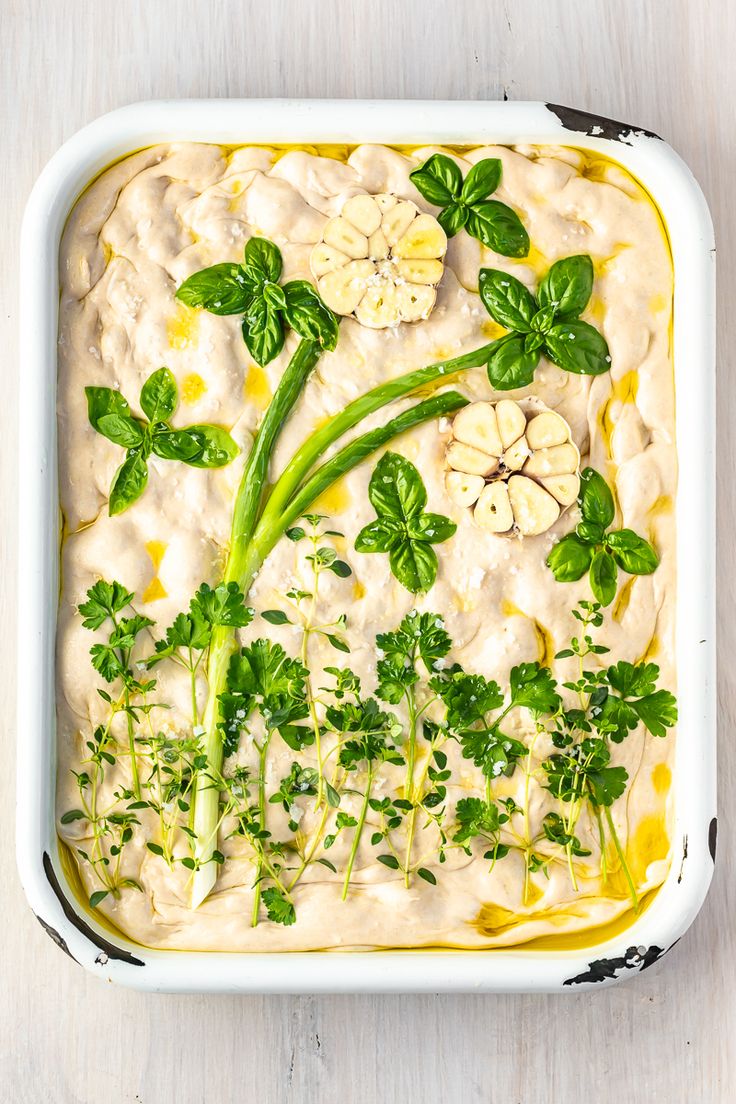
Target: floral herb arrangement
377	784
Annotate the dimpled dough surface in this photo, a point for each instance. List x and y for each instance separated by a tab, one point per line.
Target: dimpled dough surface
156	217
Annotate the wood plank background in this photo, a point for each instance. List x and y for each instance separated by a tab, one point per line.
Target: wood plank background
669	1035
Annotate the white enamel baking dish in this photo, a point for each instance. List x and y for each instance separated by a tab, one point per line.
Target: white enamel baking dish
673	188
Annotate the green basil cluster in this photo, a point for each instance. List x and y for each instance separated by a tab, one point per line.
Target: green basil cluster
252	289
465	203
201	446
402	527
548	323
592	547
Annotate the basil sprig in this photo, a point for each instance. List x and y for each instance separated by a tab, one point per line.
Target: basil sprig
465	203
546	324
596	549
402	527
252	289
201	446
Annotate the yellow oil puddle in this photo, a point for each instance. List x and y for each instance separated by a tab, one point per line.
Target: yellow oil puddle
622	602
335	500
107	252
596	309
650	843
657	303
623	390
601	265
155	590
651	650
537	261
492	330
661	507
193	388
256	387
661	779
182	329
534	893
358	590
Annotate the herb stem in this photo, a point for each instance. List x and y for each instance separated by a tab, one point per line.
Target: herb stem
622	859
262	752
358	832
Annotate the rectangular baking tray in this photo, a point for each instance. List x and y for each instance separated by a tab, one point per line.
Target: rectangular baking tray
109	955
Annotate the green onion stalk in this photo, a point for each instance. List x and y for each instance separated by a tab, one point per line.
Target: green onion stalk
257	527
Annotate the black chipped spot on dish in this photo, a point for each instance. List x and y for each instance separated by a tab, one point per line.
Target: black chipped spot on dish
104	945
54	935
608	969
598	126
713	837
684	856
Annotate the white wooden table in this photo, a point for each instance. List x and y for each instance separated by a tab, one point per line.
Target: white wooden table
670	1034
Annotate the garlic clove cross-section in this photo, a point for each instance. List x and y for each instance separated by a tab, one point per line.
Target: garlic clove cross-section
514	464
380	260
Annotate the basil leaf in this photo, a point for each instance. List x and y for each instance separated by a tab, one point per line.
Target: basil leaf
595	498
380	535
543	320
578	347
567	286
175	444
506	299
263	260
439	179
452	218
569	559
432	528
216	446
308	315
102	401
414	564
120	430
221	289
510	365
159	396
532	342
263	331
274	296
129	483
396	489
590	532
632	553
603	576
482	180
497	226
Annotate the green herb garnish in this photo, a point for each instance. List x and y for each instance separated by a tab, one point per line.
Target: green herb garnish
596	548
402	527
201	446
252	289
465	203
548	323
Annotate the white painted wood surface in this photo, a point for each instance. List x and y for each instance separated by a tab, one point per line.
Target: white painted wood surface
670	1034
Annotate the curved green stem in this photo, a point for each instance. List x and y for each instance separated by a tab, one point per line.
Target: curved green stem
222	643
317	444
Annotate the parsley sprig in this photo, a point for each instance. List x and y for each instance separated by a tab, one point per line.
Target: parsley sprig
200	446
547	323
596	548
268	307
465	203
